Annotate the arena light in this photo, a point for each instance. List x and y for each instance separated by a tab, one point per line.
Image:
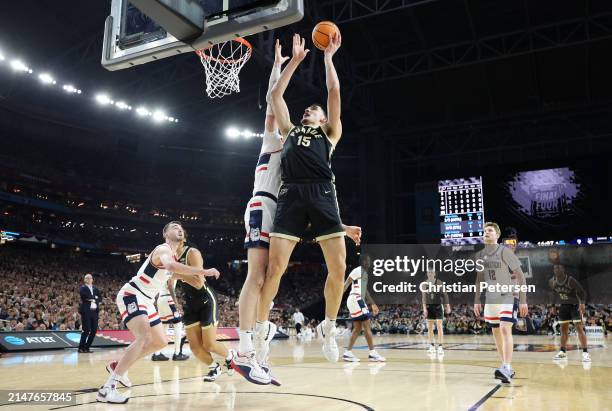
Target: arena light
19	65
69	88
247	134
2	58
122	105
46	78
159	116
142	111
232	132
103	99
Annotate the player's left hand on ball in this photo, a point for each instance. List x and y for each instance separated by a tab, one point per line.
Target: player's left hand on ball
523	310
212	272
334	44
278	54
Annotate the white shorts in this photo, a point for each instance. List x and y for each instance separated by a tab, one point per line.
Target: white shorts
132	303
495	313
357	308
167	310
258	221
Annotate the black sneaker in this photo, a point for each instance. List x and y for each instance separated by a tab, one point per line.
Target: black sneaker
179	357
504	375
160	357
215	371
228	363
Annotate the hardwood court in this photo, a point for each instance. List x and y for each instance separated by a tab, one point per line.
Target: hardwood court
410	380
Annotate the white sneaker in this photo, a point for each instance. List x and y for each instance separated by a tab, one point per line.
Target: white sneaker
440	350
431	349
349	357
111	395
228	363
122	379
561	355
249	368
330	348
586	357
376	357
261	341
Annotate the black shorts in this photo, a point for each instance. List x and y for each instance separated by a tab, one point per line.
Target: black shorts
568	313
201	312
301	204
435	312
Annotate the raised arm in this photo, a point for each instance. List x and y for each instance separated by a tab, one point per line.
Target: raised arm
181	271
333	127
279	106
279	60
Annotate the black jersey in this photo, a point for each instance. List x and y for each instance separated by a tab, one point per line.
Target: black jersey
306	156
434	297
187	294
565	293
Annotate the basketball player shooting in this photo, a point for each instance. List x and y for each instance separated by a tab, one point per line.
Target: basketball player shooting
501	266
135	303
251	361
308	194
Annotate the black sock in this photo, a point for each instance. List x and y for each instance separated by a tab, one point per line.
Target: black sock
585	350
563	349
182	343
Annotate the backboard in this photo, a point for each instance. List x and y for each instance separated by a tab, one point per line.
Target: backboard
132	38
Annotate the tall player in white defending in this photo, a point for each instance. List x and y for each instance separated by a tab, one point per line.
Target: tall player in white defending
501	266
135	303
258	220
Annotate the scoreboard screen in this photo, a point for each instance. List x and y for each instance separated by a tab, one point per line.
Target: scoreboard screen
461	211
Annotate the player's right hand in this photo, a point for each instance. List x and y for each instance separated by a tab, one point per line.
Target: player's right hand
211	272
425	313
299	48
278	55
477	309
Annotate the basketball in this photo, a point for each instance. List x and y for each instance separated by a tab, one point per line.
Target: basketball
322	33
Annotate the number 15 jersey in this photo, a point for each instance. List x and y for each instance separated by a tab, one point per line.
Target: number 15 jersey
306	156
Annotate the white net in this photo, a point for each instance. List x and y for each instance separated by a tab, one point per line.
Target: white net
222	63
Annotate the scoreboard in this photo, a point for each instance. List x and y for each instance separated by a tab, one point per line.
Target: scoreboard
461	211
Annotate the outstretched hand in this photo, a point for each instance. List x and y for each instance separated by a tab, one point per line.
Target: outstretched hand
334	44
299	48
278	54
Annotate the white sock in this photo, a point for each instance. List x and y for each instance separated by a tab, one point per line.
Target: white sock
246	341
111	380
261	327
158	353
178	333
329	323
373	352
507	366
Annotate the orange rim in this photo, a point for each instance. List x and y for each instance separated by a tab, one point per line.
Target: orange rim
246	56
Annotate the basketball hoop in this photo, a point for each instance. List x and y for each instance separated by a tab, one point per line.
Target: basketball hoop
222	63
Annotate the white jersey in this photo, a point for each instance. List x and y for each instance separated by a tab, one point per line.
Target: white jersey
268	170
359	281
298	318
151	279
499	261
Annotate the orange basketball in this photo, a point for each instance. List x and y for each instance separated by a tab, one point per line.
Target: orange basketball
322	34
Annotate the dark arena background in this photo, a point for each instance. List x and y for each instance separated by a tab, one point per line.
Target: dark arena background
509	99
